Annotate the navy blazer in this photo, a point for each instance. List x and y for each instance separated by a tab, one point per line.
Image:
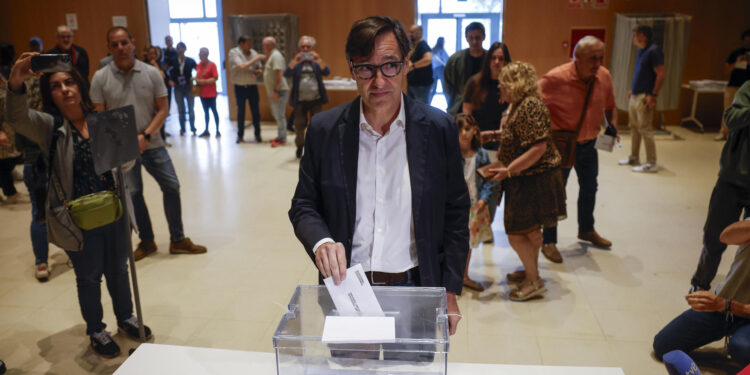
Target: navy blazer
324	202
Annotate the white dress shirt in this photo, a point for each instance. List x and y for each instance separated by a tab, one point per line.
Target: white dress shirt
242	77
384	226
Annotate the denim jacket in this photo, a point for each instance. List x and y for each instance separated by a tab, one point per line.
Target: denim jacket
484	187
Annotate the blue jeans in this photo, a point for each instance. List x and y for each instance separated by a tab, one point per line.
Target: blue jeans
726	205
38	230
437	74
278	109
182	94
159	165
693	329
420	93
587	170
104	253
210	104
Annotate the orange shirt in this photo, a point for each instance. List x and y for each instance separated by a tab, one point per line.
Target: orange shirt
205	71
564	94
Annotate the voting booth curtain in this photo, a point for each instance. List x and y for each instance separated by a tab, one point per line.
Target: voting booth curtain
671	34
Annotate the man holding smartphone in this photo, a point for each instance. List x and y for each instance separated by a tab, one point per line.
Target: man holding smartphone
65	46
128	81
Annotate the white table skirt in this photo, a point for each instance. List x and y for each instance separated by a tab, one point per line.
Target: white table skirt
160	359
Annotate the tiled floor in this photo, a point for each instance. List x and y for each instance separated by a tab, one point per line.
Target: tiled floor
602	309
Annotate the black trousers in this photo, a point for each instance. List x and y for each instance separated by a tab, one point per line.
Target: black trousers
727	202
6	175
247	93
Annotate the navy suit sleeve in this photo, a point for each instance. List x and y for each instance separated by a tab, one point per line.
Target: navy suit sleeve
305	213
457	205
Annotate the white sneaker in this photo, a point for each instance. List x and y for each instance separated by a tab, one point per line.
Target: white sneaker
646	168
628	161
41	271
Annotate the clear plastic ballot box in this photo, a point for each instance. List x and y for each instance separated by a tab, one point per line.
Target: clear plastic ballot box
420	347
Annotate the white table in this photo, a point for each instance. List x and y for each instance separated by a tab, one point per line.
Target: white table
160	359
699	90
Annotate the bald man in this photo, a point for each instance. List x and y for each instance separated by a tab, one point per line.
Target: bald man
65	46
276	87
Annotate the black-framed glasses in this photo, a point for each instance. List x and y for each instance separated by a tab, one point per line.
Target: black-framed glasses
367	71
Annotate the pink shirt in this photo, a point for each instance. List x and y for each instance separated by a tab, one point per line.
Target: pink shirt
564	94
205	71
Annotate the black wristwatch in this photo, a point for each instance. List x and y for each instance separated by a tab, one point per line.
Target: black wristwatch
147	136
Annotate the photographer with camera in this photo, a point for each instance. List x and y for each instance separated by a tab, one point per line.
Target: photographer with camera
308	92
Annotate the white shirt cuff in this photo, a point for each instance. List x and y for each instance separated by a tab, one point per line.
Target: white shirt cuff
320	243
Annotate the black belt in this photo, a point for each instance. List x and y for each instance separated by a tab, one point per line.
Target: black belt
386	278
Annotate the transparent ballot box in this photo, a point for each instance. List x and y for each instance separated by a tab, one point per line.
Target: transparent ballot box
420	347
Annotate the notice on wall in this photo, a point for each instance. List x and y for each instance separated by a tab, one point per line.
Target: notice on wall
120	21
71	19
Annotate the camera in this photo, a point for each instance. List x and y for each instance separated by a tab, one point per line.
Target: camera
306	56
51	63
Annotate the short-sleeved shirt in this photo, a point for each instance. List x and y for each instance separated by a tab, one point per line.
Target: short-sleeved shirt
490	112
243	77
564	94
528	124
141	86
206	71
644	77
420	76
308	83
738	76
275	62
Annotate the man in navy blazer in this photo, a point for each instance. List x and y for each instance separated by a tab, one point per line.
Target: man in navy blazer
381	181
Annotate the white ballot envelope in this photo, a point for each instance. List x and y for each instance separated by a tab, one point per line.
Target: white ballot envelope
605	142
359	329
741	65
354	296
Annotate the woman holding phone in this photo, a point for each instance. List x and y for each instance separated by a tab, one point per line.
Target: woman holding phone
63	136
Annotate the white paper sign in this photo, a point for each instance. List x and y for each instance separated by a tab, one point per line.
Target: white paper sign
72	20
354	296
359	329
605	142
120	21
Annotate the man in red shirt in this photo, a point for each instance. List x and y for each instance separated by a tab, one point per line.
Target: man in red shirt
564	90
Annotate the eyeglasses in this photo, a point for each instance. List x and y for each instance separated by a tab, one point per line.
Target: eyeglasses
368	71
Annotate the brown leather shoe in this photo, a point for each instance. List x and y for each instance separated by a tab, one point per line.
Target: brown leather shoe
551	253
144	248
186	247
595	239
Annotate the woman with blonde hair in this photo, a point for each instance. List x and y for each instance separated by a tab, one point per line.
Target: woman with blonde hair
529	166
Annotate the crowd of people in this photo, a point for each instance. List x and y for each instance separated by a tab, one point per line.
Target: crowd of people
386	180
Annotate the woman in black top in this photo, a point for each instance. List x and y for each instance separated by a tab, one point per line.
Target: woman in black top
180	77
62	130
482	100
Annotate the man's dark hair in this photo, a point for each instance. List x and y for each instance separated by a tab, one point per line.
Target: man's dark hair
181	44
116	28
745	34
244	38
49	106
646	30
361	39
474	26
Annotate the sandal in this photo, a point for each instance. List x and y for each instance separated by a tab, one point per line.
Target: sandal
516	277
471	284
528	290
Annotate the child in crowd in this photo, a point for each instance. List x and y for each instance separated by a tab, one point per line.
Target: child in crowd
479	188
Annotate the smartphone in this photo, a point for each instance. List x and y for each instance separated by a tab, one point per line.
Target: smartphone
51	63
306	56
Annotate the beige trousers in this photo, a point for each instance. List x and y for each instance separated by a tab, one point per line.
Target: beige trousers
641	125
729	93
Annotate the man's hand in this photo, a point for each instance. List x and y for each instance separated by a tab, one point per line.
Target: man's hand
705	301
4	141
480	204
650	101
171	83
454	314
331	261
275	96
142	142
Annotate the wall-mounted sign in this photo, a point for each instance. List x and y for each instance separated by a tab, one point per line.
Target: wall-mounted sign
71	20
120	21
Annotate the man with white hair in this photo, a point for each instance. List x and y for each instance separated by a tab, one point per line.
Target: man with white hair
276	87
578	94
65	46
